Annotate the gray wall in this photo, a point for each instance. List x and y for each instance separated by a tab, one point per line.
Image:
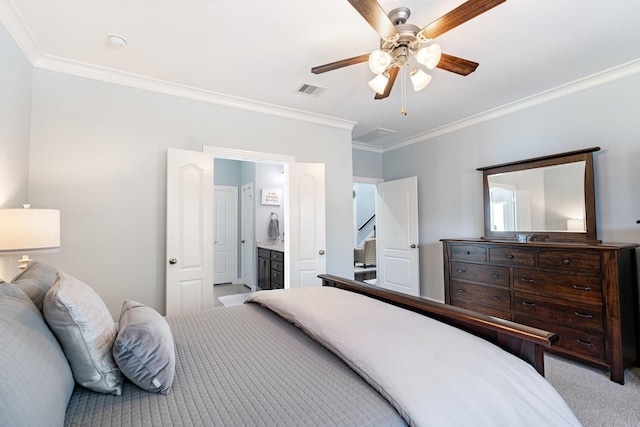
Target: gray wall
98	153
450	188
367	164
15	115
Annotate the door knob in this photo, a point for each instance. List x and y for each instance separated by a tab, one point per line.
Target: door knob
414	246
321	252
241	241
173	261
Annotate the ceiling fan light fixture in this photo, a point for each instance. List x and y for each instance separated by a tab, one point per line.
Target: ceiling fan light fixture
379	83
419	79
379	60
429	56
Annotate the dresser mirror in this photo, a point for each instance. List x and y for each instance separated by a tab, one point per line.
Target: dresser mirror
548	198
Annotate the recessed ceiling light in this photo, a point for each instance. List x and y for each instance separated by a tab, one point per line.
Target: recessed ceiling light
117	41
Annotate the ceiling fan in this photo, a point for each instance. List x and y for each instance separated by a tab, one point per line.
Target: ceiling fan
399	42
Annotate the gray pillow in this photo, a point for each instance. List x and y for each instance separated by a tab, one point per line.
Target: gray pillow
85	329
35	378
144	348
36	280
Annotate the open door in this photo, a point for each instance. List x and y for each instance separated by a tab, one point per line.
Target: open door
307	237
190	219
397	236
247	240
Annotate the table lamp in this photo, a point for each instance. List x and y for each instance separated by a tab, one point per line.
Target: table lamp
25	231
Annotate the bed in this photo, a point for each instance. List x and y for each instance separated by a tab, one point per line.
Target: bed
345	354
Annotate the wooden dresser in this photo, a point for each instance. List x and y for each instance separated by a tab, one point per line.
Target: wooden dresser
585	293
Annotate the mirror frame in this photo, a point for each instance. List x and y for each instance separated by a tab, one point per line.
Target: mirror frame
590	234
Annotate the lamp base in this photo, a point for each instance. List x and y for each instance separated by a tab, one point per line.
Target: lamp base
23	262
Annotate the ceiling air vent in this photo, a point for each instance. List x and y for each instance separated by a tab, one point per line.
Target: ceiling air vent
374	134
307	89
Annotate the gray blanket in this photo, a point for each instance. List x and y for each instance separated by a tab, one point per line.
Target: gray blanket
242	366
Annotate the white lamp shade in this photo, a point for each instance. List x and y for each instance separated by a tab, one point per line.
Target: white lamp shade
29	230
379	60
379	83
419	78
429	56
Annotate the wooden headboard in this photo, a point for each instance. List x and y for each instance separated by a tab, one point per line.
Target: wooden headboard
523	341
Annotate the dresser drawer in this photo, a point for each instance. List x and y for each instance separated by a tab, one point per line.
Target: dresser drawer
499	298
567	313
566	286
583	262
480	273
277	277
277	255
468	253
570	340
277	265
513	256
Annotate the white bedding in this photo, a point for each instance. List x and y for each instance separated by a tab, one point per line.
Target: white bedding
434	374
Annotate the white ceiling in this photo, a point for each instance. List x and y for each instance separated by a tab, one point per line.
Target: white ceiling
263	51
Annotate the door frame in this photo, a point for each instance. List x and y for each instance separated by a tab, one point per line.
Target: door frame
258	157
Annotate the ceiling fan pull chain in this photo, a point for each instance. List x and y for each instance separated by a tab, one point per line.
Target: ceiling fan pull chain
403	90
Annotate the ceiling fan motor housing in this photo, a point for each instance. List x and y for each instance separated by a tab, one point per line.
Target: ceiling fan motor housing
405	45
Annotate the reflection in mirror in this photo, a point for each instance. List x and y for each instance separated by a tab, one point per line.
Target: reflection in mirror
548	198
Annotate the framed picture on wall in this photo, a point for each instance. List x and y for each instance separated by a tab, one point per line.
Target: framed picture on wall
271	197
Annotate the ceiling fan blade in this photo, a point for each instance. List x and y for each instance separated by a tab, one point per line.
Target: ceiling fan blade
393	73
339	64
457	65
375	15
461	14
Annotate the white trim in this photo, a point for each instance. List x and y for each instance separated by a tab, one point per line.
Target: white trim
612	74
246	155
12	21
366	147
366	180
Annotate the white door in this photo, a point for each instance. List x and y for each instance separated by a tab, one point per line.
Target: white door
246	236
189	273
307	241
225	236
397	236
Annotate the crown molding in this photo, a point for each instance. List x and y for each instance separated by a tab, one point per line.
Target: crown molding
365	147
108	75
12	21
615	73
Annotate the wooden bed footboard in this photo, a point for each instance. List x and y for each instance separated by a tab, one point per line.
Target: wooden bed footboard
525	342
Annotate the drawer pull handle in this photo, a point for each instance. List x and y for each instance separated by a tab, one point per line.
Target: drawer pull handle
582	288
588	344
462	291
567	261
586	316
528	304
495	297
496	276
511	256
468	253
524	279
459	270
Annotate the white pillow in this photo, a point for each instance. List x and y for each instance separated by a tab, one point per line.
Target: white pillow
86	331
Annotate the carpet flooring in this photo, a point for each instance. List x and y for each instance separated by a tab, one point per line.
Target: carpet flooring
596	400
